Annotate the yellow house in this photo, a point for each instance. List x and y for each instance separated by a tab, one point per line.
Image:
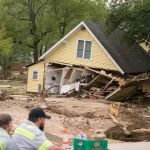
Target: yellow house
85	46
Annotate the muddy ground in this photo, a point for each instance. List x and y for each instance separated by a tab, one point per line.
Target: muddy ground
78	115
75	115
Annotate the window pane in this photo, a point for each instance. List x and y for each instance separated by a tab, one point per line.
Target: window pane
35	75
88	45
80	44
80	49
80	53
87	54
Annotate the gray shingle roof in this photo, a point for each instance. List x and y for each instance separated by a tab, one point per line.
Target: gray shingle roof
135	62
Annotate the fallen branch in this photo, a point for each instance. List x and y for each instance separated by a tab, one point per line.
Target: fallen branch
119	124
126	132
141	131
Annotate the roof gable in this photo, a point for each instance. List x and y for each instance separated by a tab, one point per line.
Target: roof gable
61	40
118	53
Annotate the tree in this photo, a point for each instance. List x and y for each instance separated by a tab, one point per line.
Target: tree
6	47
28	23
133	17
68	13
37	23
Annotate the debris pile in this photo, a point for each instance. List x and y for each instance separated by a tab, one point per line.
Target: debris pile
137	129
94	83
112	87
3	96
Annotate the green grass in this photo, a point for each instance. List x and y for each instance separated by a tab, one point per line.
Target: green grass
13	90
12	83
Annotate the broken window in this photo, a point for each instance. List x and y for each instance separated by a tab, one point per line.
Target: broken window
35	75
84	49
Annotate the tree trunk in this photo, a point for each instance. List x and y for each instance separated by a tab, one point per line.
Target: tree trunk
4	68
33	33
35	52
41	51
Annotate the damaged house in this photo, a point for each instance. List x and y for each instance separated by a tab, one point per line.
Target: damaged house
87	58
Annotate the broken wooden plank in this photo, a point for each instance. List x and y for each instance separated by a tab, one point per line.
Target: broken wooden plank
93	80
57	69
61	63
98	72
121	94
69	74
78	69
122	82
109	84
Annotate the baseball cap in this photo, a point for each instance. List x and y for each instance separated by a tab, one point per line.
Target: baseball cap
5	119
38	113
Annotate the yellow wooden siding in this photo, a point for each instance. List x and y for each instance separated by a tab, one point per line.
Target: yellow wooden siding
146	47
32	85
66	53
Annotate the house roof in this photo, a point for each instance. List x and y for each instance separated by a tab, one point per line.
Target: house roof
135	62
34	63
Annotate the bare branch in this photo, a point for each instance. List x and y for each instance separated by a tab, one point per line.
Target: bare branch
38	10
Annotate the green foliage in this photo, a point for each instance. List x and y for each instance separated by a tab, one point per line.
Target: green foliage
133	16
37	23
6	43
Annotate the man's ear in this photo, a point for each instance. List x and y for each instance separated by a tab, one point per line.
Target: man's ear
10	124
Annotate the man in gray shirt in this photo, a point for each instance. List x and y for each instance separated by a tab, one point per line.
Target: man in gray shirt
5	127
30	136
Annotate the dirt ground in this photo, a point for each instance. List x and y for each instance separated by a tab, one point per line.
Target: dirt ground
74	115
67	113
77	115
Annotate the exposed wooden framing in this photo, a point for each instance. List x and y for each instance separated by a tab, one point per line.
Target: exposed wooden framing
58	69
93	80
98	72
78	69
61	63
83	66
68	74
112	93
109	84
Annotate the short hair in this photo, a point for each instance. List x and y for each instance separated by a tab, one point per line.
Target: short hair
33	119
5	119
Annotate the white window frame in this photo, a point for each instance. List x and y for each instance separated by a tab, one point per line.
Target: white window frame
37	74
84	49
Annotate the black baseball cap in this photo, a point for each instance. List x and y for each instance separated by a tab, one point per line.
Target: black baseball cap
38	113
5	119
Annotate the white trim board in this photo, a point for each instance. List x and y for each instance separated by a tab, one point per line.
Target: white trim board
60	41
37	75
70	33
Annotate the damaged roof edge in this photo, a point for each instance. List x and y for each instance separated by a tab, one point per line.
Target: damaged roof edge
34	63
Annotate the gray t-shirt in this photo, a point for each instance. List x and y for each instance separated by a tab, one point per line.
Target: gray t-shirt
29	137
4	139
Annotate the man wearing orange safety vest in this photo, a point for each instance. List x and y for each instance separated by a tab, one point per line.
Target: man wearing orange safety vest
30	136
